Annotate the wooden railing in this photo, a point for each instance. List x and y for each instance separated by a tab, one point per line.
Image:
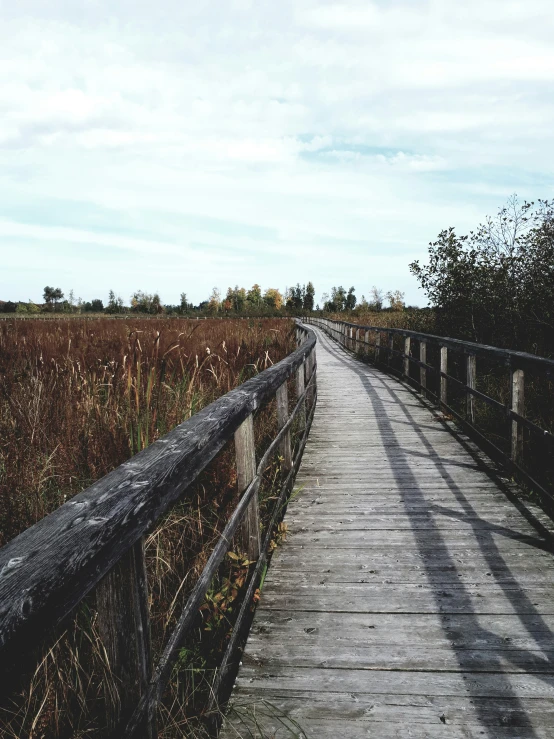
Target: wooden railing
377	344
95	540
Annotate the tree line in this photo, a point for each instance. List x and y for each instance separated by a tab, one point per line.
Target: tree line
237	300
342	301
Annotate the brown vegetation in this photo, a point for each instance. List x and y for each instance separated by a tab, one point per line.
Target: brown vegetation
78	398
415	319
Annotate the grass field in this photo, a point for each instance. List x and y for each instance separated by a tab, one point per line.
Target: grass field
77	398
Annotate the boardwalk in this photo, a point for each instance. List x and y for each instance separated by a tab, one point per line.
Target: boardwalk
412	598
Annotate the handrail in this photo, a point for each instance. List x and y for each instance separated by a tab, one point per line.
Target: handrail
96	538
350	336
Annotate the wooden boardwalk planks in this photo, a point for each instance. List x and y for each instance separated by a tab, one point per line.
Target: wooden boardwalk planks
412	597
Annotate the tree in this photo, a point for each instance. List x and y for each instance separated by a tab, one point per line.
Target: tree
142	302
295	298
184	305
376	300
254	296
95	306
156	304
496	285
115	304
273	298
214	301
309	297
396	299
350	302
337	301
51	297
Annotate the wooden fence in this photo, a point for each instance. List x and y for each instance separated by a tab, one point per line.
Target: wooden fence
377	344
95	540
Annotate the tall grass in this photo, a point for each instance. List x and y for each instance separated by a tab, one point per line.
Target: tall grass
77	398
411	319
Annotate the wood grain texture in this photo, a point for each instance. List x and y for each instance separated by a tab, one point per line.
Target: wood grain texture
412	597
245	452
124	628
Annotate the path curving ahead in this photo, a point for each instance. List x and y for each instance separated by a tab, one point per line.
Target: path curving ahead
412	597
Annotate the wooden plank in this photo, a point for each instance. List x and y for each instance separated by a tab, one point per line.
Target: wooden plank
471	382
411	596
406	363
281	713
518	406
395	682
282	398
459	631
245	453
423	370
124	628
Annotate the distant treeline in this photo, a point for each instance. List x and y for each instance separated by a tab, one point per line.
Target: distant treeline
237	301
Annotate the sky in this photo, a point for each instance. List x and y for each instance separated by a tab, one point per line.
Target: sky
175	146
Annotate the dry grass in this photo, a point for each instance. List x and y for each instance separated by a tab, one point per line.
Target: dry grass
413	320
77	398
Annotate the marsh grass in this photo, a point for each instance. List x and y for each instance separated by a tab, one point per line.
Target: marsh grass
78	398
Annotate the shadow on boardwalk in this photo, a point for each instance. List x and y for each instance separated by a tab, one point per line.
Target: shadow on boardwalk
431	540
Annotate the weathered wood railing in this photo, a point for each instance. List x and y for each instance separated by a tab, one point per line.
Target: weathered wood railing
95	540
376	344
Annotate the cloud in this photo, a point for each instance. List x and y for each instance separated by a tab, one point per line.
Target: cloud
348	133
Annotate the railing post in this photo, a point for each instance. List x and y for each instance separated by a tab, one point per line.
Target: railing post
423	370
350	338
518	406
309	365
407	343
471	376
444	369
246	471
124	628
282	397
391	347
300	386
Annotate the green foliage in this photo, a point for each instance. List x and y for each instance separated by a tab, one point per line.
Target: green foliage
340	300
142	302
52	295
115	303
94	306
496	285
309	297
350	299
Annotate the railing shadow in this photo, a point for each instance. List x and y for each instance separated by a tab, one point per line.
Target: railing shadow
431	540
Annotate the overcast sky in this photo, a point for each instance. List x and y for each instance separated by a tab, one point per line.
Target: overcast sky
179	144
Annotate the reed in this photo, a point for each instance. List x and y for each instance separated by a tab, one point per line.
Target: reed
78	398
